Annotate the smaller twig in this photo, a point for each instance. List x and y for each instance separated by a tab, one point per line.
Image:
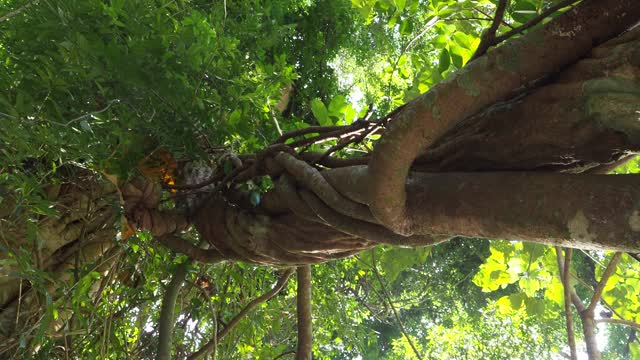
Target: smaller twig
236	319
597	293
393	308
308	130
19	303
534	21
275	121
488	39
620	322
18	11
92	113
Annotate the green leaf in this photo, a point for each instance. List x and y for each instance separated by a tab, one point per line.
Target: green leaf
86	126
320	112
516	300
337	106
534	307
444	61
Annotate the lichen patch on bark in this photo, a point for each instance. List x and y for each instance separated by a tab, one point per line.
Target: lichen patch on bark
579	228
634	221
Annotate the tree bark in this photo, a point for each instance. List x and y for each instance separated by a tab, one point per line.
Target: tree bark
481	83
305	333
167	319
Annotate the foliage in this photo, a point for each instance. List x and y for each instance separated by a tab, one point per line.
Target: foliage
102	84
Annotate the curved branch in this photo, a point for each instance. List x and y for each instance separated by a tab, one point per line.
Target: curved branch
479	84
312	179
166	313
236	319
305	334
365	230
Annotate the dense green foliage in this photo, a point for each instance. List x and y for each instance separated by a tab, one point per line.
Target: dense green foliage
102	84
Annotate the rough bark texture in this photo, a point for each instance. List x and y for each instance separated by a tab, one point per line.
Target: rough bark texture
581	120
493	77
85	228
546	102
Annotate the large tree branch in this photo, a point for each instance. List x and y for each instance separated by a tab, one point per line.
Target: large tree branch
480	84
236	319
305	334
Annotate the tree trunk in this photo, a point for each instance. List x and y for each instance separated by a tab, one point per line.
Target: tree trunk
481	144
83	232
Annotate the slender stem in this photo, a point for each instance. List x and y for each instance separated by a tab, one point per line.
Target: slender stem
167	312
488	39
566	285
535	20
305	334
597	293
236	319
18	11
393	308
620	322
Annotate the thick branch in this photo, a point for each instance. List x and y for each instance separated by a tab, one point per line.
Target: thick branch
236	319
556	209
313	180
305	334
166	313
363	229
480	84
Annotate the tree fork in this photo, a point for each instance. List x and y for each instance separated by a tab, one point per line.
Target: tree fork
490	78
